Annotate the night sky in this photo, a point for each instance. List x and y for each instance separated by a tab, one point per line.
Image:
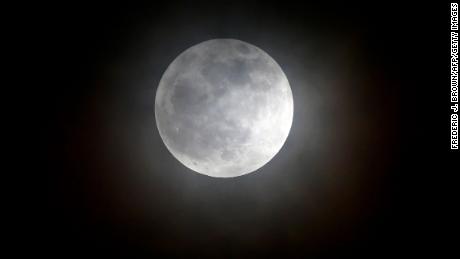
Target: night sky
370	130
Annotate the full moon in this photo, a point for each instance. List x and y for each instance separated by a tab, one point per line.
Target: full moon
224	108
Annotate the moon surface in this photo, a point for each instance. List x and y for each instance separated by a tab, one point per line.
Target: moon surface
224	108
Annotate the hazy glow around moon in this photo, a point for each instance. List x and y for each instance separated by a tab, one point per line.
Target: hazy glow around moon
224	108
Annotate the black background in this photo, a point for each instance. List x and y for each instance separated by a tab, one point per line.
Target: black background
357	176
